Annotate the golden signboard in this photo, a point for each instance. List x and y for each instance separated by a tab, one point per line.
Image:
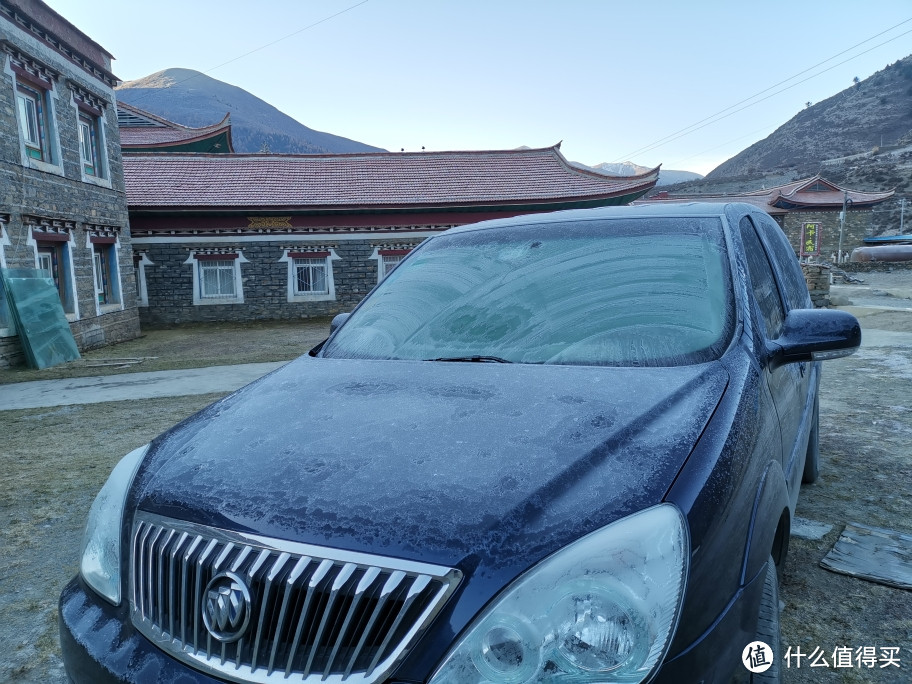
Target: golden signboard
810	239
269	221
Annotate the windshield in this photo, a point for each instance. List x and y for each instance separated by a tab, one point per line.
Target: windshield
619	292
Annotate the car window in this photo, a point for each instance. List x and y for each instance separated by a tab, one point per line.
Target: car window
792	277
611	292
763	283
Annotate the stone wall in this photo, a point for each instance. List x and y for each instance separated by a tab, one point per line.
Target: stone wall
818	282
858	226
264	278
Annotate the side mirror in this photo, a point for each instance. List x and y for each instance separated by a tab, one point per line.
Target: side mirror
337	322
815	335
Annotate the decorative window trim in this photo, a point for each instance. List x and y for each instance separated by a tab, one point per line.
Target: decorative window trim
35	77
41	229
142	289
383	266
289	254
108	238
202	255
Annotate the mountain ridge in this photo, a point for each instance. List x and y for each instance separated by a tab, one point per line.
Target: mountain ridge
191	98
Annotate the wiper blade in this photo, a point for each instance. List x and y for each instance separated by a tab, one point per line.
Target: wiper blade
473	359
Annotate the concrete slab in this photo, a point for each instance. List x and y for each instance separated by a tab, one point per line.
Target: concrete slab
128	386
802	528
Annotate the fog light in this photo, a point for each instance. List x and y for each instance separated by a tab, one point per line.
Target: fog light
507	653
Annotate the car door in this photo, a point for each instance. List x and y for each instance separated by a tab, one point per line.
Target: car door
785	381
793	287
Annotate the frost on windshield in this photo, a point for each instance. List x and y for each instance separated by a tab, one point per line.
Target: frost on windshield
633	292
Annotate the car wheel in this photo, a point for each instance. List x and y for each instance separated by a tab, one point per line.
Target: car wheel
768	626
812	460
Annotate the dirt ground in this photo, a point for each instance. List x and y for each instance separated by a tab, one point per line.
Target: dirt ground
189	346
55	460
865	477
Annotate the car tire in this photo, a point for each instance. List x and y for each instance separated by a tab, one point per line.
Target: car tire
812	460
768	626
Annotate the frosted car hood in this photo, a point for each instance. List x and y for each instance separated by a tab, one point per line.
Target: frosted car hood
453	463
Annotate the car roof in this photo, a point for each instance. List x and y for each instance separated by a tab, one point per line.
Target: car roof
656	210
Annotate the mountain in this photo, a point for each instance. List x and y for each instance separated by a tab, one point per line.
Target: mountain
873	113
193	99
666	176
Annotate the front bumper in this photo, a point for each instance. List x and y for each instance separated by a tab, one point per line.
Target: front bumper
100	644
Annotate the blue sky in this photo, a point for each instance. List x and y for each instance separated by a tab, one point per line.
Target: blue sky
610	79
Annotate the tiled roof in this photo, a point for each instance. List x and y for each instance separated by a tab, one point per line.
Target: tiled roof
352	181
794	195
155	130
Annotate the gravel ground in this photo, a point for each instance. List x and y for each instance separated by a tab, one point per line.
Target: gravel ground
55	460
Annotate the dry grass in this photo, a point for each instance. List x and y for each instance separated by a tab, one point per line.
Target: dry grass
54	462
189	346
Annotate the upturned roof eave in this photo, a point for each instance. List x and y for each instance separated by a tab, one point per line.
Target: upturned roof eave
197	136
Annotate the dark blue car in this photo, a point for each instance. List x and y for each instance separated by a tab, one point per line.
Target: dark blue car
553	448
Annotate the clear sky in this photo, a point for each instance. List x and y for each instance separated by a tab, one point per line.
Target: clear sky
610	79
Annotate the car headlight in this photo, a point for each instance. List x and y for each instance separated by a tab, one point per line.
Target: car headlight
100	564
602	609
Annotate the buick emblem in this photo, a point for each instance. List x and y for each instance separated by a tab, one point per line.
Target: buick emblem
226	607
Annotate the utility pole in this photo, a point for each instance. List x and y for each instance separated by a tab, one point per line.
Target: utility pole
902	207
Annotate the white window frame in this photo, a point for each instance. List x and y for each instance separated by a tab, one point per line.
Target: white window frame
290	256
29	121
211	272
198	298
88	145
115	283
98	269
384	260
45	263
95	125
51	161
317	270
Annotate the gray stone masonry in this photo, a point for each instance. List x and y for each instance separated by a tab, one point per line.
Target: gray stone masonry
818	282
169	281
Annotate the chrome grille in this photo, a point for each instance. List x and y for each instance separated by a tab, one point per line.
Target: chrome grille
316	614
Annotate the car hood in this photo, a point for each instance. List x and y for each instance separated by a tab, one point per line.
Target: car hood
461	464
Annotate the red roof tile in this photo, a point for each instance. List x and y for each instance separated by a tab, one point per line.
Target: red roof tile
410	179
794	195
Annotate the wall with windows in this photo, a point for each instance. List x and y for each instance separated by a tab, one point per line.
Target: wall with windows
61	179
259	279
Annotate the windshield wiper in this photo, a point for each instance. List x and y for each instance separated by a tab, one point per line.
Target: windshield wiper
473	359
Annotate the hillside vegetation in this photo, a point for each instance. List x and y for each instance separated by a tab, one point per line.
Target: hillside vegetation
873	113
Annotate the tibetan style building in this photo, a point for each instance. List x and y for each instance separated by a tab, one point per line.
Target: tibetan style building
240	237
62	206
808	211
